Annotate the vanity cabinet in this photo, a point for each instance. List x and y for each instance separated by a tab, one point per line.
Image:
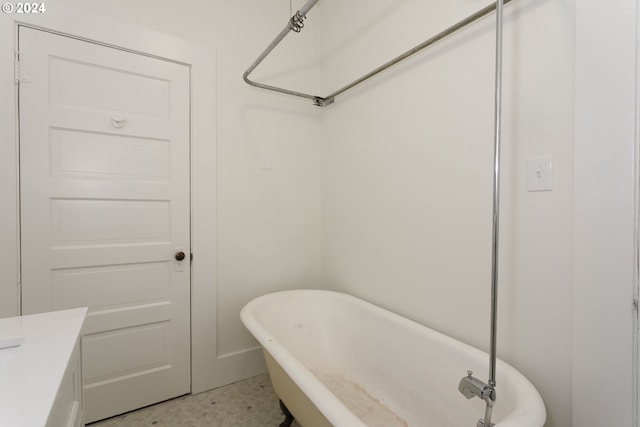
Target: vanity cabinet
67	408
40	369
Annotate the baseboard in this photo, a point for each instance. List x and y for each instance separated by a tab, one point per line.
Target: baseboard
234	367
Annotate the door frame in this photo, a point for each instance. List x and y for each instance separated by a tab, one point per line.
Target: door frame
201	60
635	368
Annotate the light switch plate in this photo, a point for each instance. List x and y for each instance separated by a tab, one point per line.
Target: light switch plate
540	173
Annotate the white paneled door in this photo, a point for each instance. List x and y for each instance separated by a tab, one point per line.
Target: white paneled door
104	178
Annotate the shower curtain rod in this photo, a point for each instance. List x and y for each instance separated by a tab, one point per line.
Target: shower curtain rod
296	23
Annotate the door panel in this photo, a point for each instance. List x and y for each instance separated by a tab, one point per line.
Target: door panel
77	85
104	172
95	155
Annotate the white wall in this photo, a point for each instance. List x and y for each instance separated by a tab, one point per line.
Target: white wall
407	164
604	212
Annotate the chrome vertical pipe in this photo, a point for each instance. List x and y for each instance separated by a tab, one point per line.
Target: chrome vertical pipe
486	421
470	386
496	194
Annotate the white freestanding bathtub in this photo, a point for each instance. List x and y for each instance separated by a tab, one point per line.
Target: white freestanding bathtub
336	360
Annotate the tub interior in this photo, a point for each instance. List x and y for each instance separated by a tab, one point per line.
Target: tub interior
383	367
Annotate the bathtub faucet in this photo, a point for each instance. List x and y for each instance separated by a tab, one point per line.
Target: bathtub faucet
471	386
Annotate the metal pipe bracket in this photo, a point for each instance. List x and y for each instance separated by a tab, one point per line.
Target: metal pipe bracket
296	23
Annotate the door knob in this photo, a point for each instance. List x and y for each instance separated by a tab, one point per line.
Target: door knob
179	256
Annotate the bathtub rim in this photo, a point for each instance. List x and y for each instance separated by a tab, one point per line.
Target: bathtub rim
336	411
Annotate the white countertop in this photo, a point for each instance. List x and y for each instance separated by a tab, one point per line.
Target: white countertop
31	374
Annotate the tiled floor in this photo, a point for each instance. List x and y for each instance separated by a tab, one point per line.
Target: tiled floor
248	403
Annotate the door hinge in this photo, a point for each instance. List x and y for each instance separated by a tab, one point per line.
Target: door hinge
16	67
191	257
20	74
635	304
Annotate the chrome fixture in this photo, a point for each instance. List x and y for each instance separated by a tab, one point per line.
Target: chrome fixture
296	24
470	386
